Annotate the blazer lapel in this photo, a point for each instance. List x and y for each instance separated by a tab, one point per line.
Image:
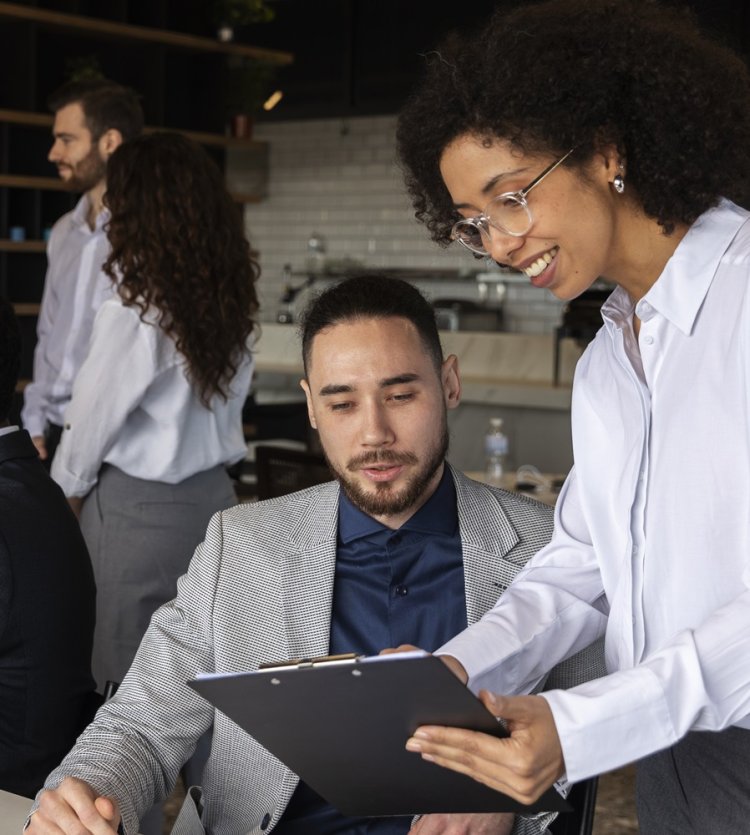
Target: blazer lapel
487	535
309	571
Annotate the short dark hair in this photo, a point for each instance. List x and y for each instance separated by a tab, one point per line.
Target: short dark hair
106	106
583	74
371	297
10	357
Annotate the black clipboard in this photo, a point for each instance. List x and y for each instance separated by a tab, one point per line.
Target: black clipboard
341	724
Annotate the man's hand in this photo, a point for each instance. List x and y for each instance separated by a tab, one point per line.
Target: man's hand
72	805
400	648
499	823
522	765
453	664
41	446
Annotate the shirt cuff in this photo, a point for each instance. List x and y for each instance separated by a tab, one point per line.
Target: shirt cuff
35	426
606	723
70	483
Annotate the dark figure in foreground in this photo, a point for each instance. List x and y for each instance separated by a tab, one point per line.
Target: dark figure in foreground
575	139
46	602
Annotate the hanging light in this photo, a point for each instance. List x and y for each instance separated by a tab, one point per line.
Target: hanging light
273	100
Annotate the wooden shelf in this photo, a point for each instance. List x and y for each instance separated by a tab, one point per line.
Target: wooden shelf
26	308
26	117
22	246
44	183
238	197
126	31
45	120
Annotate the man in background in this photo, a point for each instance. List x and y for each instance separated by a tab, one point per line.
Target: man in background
46	602
92	119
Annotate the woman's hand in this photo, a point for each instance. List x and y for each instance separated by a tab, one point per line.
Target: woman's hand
523	765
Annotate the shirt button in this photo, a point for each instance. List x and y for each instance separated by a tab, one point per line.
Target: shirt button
649	340
396	539
266	820
635	550
402	591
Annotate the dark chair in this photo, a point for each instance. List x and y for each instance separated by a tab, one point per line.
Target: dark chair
263	421
580	821
281	471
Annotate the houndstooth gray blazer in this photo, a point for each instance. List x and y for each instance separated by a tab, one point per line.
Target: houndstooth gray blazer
259	588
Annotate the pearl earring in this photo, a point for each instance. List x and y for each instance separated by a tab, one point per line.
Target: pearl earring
618	182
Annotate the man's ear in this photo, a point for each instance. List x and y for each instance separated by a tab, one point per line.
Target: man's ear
451	381
109	142
310	413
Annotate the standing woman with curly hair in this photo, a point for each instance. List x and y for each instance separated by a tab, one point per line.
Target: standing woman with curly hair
574	139
156	412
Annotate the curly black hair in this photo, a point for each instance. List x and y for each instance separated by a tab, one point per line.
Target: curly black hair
179	246
583	74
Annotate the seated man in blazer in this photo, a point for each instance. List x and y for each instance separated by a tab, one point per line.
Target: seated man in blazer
400	548
46	602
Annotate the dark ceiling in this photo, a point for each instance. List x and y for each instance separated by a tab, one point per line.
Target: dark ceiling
360	57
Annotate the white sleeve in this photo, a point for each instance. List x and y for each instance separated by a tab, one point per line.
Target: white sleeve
554	607
37	392
699	681
119	368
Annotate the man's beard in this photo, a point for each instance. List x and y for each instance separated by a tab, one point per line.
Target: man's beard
87	173
387	500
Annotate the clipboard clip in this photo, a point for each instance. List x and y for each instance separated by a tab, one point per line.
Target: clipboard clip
307	663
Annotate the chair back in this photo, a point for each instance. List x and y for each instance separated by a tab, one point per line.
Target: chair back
281	471
580	821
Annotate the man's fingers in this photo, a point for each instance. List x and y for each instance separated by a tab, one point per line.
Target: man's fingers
74	809
401	648
107	808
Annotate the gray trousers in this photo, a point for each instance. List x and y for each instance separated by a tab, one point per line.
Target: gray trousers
141	536
700	786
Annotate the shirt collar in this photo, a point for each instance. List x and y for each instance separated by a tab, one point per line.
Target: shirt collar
6	430
438	515
80	214
679	291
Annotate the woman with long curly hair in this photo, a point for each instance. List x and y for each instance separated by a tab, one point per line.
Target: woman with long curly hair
156	413
569	140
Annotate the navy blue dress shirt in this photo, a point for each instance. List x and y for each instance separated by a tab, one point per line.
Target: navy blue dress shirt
391	587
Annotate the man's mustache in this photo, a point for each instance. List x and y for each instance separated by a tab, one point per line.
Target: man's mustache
383	456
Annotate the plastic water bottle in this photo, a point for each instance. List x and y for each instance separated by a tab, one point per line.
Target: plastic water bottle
495	448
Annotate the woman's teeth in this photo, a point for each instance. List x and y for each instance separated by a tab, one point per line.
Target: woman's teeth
541	263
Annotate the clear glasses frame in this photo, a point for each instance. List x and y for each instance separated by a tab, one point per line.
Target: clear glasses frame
512	206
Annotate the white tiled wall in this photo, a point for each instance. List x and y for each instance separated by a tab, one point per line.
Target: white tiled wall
339	179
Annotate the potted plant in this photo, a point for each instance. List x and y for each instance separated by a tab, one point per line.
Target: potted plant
227	14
